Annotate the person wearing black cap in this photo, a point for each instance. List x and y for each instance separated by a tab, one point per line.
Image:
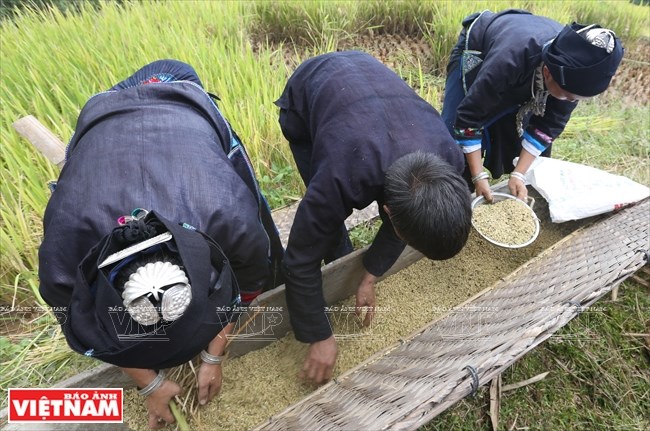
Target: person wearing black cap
156	232
513	80
359	134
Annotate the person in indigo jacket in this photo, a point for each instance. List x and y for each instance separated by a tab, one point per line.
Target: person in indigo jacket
150	157
360	134
513	80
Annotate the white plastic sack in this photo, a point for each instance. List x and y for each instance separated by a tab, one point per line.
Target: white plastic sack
575	191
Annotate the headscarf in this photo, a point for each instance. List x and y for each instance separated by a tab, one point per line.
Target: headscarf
583	59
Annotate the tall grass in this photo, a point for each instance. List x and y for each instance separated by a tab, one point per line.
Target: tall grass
436	21
52	62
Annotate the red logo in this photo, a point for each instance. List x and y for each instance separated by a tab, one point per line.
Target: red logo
65	405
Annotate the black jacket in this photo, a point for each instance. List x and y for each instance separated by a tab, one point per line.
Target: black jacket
160	147
359	117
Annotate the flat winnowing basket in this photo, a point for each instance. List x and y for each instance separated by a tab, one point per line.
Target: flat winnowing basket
411	383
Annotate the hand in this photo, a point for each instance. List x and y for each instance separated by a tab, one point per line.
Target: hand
483	189
158	404
366	300
320	360
518	188
209	380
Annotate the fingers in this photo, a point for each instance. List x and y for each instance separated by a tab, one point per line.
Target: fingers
369	308
320	375
154	424
370	314
368	305
204	389
167	415
365	300
358	307
215	388
209	382
160	419
488	195
521	192
208	392
483	189
517	188
317	372
325	376
158	405
311	369
319	363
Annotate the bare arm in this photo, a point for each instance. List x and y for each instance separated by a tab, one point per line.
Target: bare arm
158	401
210	375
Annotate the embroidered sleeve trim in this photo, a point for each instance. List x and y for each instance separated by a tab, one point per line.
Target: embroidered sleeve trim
468	132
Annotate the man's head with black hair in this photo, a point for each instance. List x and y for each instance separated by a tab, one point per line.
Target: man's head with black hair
429	204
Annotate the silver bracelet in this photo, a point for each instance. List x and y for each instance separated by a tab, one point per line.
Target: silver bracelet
155	384
521	177
211	359
482	176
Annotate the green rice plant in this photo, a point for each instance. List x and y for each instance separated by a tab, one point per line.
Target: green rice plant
627	19
405	17
304	22
608	135
179	417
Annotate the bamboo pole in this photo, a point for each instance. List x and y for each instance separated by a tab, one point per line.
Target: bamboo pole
42	138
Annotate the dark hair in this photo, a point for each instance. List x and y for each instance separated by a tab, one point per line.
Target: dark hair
429	204
159	256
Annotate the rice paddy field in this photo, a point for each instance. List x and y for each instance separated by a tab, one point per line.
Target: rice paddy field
53	60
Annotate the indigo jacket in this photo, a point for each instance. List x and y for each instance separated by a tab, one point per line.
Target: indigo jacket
162	147
358	116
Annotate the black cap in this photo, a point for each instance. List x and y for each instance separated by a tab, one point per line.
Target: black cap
98	324
579	66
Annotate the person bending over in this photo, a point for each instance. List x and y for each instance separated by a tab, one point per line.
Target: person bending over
513	80
156	232
360	134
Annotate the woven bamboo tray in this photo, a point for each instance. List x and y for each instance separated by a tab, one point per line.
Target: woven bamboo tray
410	383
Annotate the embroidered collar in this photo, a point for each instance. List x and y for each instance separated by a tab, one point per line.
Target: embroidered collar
537	103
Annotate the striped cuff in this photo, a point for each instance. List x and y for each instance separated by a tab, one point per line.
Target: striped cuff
469	145
532	145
